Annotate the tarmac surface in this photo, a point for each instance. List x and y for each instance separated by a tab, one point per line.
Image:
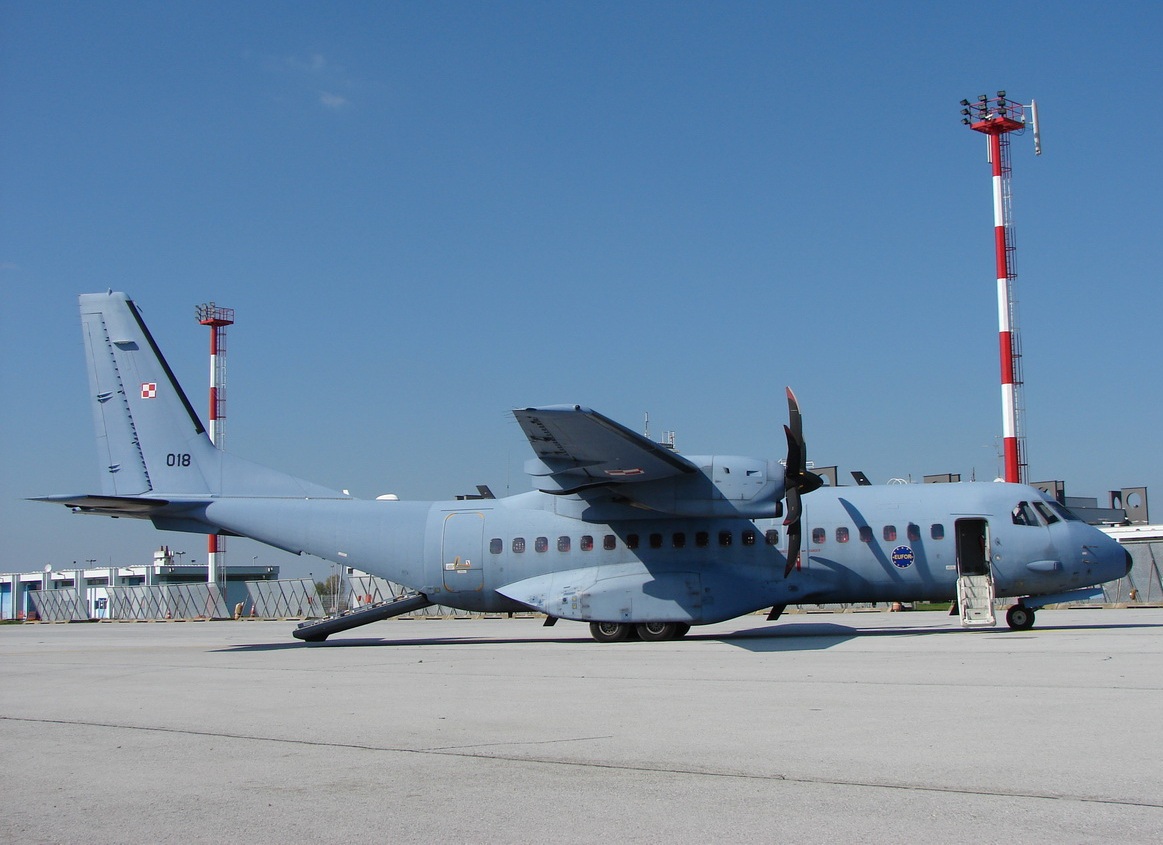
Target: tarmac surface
819	728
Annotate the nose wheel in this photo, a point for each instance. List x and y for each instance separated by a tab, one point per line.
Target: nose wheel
1020	618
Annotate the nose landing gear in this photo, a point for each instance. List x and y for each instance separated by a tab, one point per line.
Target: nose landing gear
1020	618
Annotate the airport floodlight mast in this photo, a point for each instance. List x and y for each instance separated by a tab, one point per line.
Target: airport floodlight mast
996	117
217	319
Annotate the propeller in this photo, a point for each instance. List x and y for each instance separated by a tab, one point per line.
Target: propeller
797	480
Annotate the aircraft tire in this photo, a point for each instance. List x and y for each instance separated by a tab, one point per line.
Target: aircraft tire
609	632
656	632
680	630
1020	618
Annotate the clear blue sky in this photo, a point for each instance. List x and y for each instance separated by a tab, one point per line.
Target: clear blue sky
426	214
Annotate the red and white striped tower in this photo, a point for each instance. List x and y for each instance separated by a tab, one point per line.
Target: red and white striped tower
996	117
217	319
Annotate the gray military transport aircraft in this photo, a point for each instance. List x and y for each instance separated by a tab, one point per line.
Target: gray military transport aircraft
620	532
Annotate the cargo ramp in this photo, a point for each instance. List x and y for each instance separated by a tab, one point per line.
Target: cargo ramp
318	631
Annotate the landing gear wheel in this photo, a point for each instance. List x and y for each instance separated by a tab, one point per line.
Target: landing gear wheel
656	632
1020	618
680	630
609	632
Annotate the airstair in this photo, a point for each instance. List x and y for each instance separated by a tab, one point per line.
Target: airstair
318	631
975	600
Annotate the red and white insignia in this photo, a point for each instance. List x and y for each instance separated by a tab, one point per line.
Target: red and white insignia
623	473
149	390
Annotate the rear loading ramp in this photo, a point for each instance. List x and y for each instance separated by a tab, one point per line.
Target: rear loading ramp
317	632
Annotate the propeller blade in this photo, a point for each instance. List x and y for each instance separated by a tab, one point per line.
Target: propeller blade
794	508
794	465
793	548
797	480
794	417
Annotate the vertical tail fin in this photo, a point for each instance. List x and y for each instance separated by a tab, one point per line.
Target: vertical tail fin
149	438
150	441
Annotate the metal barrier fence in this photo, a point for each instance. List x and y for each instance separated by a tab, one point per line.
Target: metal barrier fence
66	604
290	599
1143	583
167	601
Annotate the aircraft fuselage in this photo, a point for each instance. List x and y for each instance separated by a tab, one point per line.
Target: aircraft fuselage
863	544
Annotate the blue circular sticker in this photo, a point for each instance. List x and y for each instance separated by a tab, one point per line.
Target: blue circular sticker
903	557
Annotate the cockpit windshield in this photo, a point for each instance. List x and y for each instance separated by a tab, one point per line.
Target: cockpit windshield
1064	512
1044	510
1054	506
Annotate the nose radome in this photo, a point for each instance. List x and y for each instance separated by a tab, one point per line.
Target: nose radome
1130	563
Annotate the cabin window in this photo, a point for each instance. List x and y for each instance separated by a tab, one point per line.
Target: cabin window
631	541
702	539
518	545
725	538
656	541
913	532
865	533
496	545
841	534
890	532
749	537
563	544
771	537
937	531
609	542
541	544
819	535
679	540
587	543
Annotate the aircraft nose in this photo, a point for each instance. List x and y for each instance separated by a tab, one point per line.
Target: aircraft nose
1130	563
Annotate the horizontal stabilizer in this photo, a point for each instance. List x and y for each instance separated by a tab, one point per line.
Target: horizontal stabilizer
133	507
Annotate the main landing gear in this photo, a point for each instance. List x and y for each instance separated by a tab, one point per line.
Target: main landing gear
653	632
1020	618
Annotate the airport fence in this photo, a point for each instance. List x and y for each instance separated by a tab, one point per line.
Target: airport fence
66	604
294	598
288	599
166	601
1143	584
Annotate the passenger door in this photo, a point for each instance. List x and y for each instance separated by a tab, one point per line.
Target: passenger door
975	590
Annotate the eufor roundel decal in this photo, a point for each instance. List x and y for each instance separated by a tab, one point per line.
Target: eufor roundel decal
903	557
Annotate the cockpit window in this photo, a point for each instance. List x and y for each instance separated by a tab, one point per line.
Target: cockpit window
1064	512
1023	514
1047	514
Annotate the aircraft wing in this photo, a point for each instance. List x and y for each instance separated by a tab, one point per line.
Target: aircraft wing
578	448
